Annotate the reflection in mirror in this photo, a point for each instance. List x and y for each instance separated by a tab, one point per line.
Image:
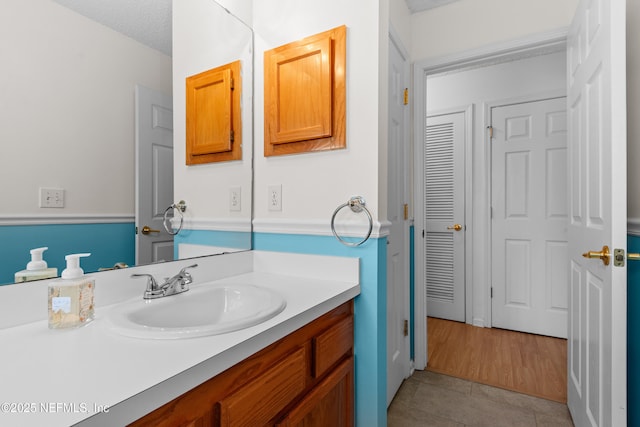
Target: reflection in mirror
69	88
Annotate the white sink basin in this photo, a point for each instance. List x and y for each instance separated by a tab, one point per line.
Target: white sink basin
203	310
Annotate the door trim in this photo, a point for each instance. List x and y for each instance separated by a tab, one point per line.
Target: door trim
546	42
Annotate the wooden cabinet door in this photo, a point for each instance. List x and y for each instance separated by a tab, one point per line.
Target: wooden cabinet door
330	403
263	398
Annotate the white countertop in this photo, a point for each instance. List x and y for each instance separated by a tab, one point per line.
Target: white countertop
94	376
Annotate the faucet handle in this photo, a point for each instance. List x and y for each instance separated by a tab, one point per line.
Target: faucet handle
184	270
186	275
152	285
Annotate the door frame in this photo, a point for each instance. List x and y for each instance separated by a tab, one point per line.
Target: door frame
545	42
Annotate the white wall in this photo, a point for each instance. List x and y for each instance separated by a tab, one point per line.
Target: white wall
468	24
528	79
204	37
314	184
67	109
633	110
400	21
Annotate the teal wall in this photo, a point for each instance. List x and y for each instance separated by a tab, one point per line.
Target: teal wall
633	334
370	308
107	243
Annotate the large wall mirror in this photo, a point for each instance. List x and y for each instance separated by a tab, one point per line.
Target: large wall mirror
76	78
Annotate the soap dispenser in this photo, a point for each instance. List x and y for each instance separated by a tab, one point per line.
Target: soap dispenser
36	269
71	297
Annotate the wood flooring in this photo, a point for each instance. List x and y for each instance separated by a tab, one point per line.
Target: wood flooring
531	364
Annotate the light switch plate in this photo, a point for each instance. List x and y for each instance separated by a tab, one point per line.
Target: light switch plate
51	198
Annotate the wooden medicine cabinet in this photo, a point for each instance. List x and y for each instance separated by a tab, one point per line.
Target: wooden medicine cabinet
214	131
305	94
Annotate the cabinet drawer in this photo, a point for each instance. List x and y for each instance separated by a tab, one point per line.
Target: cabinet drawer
330	345
263	398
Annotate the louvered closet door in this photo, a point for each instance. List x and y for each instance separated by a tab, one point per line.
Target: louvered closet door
444	199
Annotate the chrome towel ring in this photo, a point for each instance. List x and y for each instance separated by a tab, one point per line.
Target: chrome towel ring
357	205
181	206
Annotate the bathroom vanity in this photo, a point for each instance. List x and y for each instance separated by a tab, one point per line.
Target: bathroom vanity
305	378
283	371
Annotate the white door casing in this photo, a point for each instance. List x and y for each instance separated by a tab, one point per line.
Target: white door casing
154	174
596	106
398	239
529	217
445	216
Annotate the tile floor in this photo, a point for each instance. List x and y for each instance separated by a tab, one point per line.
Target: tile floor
430	399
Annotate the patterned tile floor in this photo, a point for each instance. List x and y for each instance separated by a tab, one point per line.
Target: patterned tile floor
430	399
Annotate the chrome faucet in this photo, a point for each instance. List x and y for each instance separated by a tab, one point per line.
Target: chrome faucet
171	286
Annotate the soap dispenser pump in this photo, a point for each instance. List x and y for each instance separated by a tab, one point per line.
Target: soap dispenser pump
71	297
36	268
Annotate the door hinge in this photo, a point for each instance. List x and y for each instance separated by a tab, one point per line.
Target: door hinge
492	292
232	136
406	211
405	328
490	131
406	96
233	84
423	234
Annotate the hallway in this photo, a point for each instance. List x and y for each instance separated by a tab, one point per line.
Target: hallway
527	363
471	378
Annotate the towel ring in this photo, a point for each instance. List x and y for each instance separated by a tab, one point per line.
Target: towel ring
357	205
181	206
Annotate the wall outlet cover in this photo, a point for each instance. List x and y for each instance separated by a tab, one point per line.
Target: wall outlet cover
274	199
235	199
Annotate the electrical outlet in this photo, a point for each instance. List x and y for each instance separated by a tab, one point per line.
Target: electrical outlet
234	199
275	197
51	198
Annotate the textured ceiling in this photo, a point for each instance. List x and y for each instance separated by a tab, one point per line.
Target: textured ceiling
148	21
420	5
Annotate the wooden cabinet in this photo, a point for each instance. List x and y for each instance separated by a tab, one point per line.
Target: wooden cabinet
214	125
304	379
305	94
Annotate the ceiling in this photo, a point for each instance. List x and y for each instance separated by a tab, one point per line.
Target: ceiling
149	21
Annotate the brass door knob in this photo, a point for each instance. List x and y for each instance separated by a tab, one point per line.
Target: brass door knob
604	255
146	230
456	227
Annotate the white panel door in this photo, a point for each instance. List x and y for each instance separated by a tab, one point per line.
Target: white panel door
154	174
398	239
529	262
596	105
444	216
